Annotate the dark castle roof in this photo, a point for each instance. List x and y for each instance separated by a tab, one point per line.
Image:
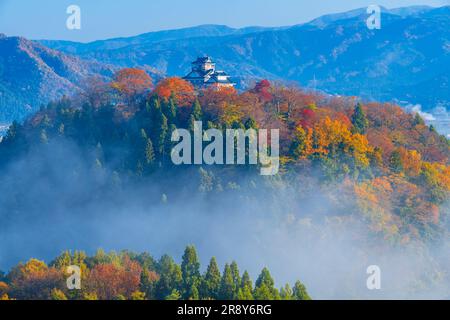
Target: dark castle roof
207	77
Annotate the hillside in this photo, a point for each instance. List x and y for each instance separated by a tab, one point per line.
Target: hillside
31	75
400	62
358	181
131	276
403	62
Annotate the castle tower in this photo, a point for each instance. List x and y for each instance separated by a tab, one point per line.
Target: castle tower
204	74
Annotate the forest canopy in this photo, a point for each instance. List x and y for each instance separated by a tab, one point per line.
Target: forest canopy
373	164
131	276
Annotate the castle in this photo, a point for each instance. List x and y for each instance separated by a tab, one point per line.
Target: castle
204	74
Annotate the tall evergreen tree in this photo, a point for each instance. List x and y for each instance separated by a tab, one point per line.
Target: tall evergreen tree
418	120
12	131
286	293
395	162
193	293
211	282
359	120
197	110
163	129
227	288
251	124
171	112
246	281
236	276
192	121
246	288
190	268
149	153
168	143
265	287
170	277
299	292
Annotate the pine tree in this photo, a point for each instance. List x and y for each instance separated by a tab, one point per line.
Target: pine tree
246	281
418	120
175	295
57	294
395	162
301	145
236	277
359	120
265	287
251	124
265	278
162	134
245	294
197	110
286	293
227	288
192	123
148	284
168	143
211	282
263	292
190	269
145	153
43	137
246	288
299	292
170	277
172	110
193	293
149	153
63	261
13	131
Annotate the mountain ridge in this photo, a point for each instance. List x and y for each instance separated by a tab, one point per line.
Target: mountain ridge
286	53
32	74
334	53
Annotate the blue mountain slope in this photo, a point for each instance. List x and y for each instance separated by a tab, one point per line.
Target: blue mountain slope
407	60
402	61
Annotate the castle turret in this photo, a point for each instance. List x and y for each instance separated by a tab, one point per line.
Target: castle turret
204	74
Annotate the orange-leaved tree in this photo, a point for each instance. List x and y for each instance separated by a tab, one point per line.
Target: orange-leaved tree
181	90
131	83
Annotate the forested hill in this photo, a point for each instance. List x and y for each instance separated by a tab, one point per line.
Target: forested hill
99	166
404	61
32	74
131	276
124	128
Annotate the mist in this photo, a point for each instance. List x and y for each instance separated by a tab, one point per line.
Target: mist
54	198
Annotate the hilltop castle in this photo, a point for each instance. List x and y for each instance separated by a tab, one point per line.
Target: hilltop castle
204	74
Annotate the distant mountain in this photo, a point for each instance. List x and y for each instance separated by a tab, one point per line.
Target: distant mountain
32	74
407	60
149	38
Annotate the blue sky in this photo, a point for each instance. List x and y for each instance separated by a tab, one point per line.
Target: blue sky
46	19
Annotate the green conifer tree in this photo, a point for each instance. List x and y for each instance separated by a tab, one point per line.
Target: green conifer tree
359	120
227	288
190	268
211	282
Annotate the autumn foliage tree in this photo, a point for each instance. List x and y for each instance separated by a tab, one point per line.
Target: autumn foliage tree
34	280
110	281
262	89
131	83
181	90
